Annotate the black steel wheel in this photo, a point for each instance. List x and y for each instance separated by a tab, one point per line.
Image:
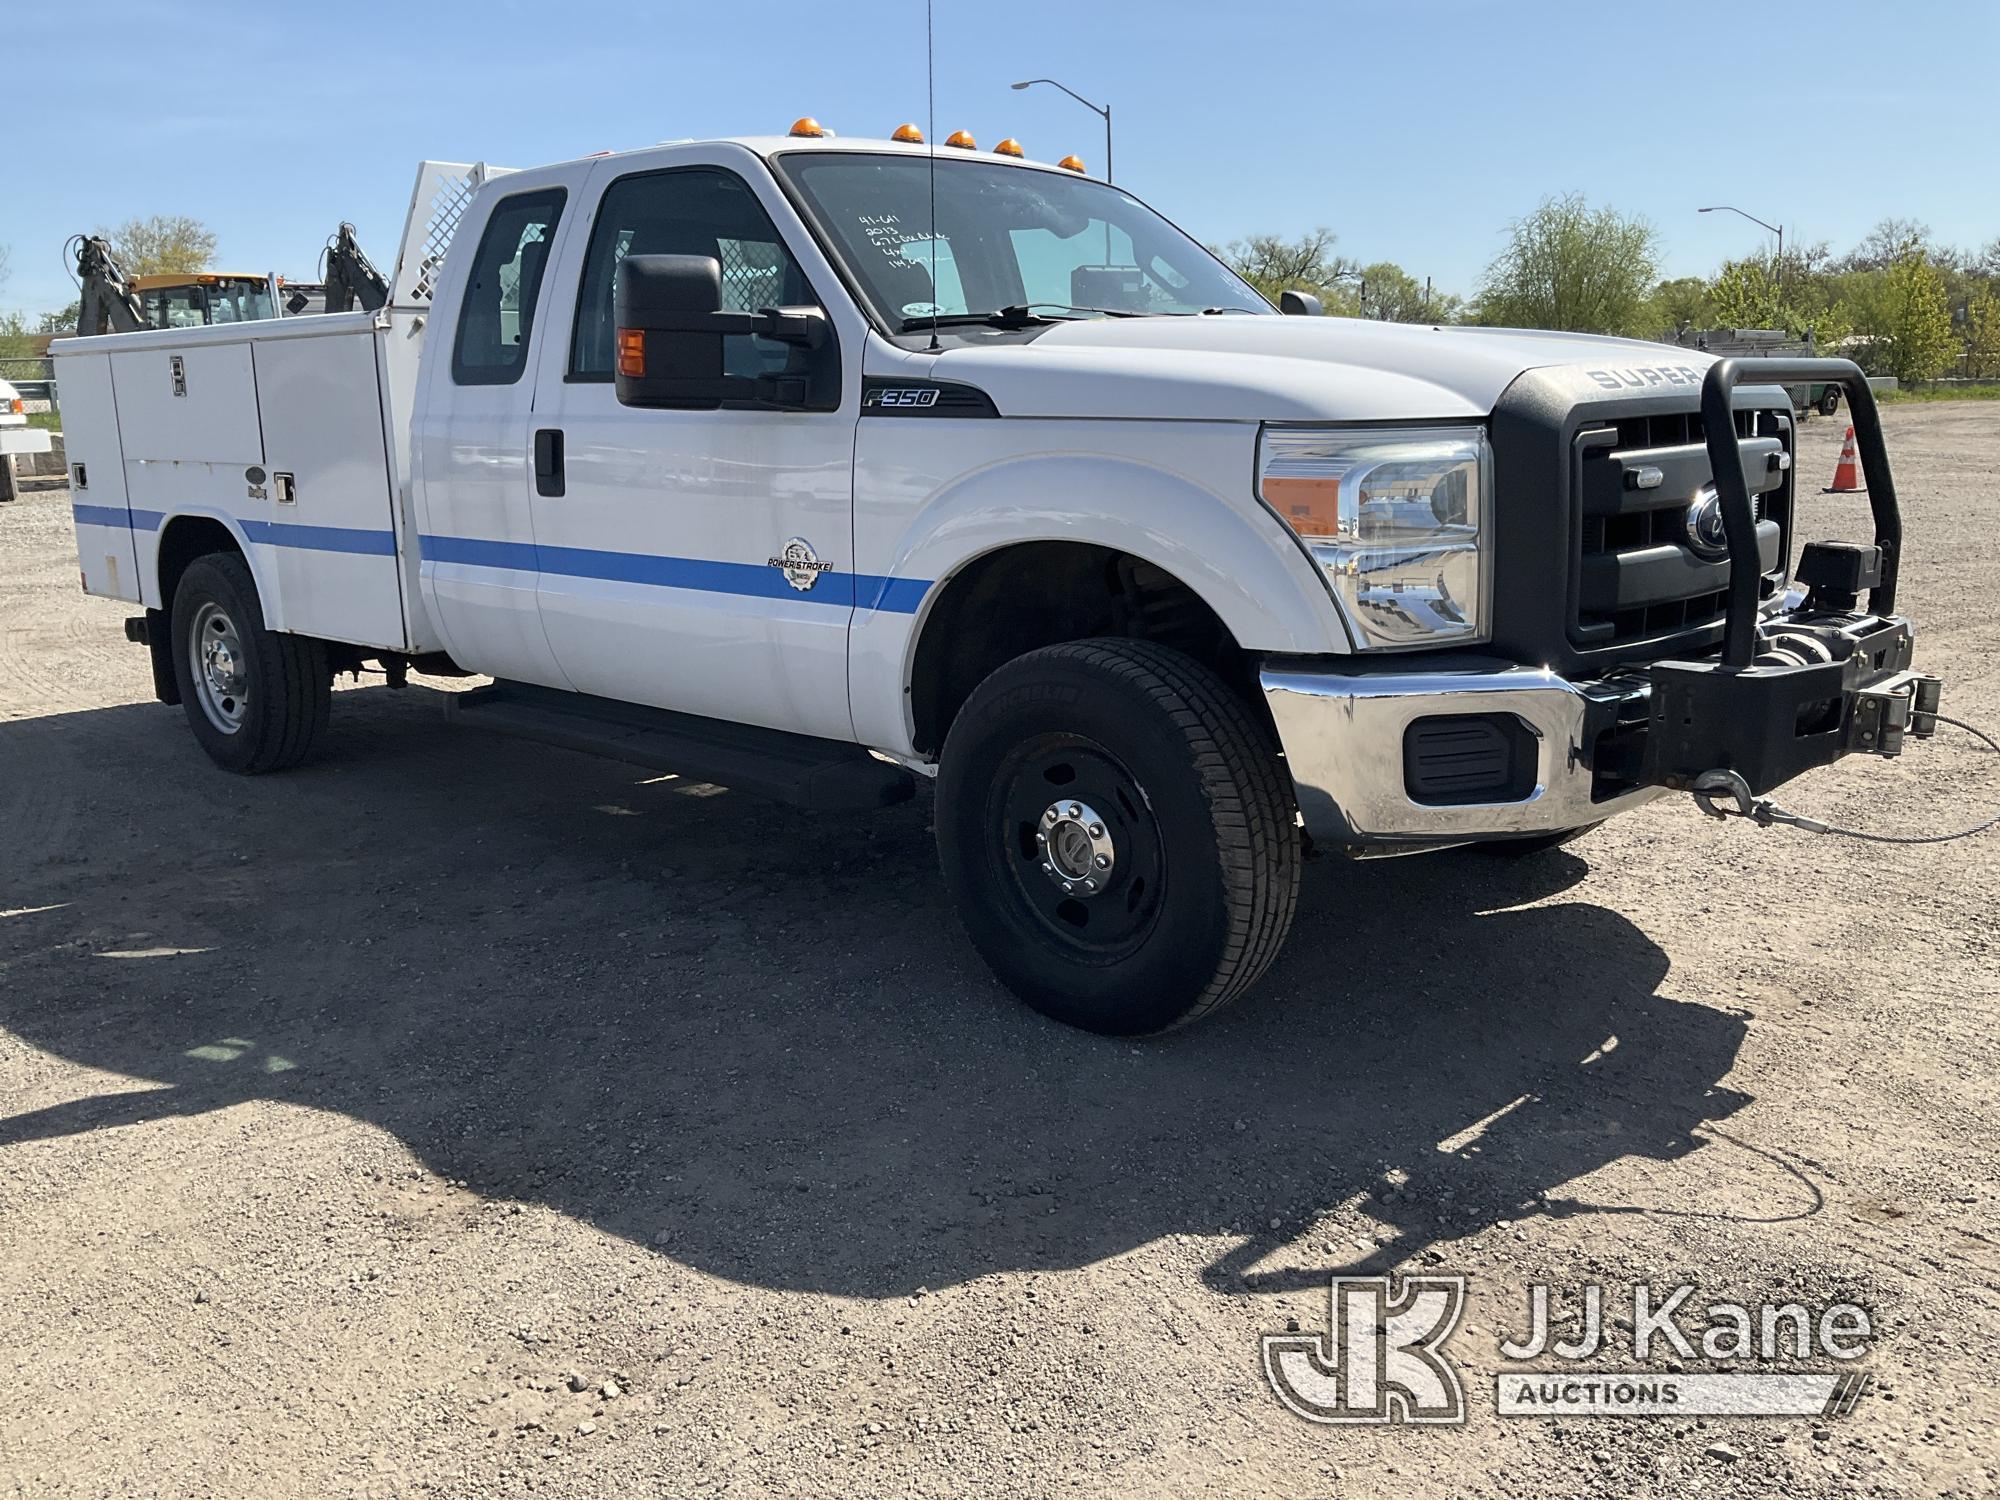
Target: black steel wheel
1118	835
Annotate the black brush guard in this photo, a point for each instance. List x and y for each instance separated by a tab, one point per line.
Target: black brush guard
1798	690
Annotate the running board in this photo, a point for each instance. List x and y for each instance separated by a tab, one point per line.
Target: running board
824	775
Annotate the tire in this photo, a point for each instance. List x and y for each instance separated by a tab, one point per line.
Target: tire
257	700
1829	401
1194	835
1539	843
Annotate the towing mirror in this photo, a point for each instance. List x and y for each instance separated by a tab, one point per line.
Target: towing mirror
670	330
1299	304
670	333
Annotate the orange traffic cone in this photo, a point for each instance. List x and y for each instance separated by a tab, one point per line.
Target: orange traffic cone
1846	473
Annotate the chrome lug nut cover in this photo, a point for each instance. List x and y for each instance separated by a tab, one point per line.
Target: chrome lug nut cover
1076	848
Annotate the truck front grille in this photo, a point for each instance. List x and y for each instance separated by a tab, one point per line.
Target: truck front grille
1637	578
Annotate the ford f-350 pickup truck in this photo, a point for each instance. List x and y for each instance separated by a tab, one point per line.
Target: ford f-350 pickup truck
815	466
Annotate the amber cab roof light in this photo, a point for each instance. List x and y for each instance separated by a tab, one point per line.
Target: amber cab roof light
1071	164
908	134
1009	147
962	140
807	126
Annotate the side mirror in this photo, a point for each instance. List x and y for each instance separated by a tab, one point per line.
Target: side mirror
1299	304
669	316
670	322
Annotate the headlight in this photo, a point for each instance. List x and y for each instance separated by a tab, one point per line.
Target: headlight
1397	519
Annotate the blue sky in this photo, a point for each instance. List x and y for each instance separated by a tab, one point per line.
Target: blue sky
1416	130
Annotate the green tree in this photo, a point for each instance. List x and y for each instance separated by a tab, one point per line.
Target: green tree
1274	264
1916	324
1982	333
162	243
1746	294
1573	267
1885	244
1390	293
1679	304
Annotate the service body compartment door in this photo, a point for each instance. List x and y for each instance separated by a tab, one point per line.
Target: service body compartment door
325	522
188	429
104	545
196	404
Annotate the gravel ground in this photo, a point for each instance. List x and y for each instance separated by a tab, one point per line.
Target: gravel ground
459	1117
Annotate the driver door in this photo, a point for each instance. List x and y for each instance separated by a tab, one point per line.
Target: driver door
700	561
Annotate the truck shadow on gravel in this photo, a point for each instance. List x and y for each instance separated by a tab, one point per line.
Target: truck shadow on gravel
753	1039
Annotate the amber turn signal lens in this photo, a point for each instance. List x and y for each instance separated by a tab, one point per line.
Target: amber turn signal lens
806	125
1071	163
632	355
1311	507
909	133
962	139
1009	147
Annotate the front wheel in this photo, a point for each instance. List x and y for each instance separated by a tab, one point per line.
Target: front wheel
256	699
1118	835
1829	401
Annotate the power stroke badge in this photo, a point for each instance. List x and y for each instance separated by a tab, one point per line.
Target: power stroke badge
800	564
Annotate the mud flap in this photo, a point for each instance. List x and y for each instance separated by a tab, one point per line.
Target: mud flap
152	630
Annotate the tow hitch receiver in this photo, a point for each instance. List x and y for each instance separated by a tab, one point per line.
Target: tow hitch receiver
1802	689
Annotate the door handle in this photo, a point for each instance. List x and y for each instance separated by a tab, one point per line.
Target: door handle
549	461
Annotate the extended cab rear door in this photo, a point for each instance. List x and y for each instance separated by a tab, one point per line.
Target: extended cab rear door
697	560
472	429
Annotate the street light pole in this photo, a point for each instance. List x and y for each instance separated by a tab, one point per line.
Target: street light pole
1777	229
1096	109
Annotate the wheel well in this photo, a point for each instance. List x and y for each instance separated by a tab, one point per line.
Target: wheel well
1038	594
184	539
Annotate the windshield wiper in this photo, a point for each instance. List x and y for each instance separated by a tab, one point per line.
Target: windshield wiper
1018	315
1070	307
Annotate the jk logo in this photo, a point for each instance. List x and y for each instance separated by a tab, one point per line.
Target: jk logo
1380	1359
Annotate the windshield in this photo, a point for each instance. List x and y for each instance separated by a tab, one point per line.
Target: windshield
1007	237
228	299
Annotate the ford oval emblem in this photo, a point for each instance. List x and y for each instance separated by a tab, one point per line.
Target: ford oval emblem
1706	534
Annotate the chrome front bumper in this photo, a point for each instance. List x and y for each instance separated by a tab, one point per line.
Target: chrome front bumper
1343	737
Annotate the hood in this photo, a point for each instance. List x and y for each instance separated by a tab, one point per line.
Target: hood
1280	369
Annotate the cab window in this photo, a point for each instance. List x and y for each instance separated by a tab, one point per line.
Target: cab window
687	211
498	314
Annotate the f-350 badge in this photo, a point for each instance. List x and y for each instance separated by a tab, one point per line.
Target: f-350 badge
800	564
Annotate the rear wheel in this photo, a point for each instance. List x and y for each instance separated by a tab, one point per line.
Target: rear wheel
257	700
1829	401
1118	835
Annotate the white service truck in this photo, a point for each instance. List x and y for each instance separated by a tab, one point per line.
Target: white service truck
17	437
813	466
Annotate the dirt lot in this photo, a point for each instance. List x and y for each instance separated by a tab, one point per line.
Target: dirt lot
459	1117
